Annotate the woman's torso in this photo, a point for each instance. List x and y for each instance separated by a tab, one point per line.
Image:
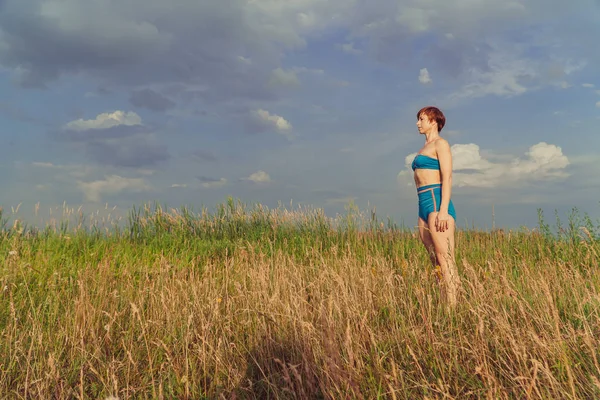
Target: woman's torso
426	176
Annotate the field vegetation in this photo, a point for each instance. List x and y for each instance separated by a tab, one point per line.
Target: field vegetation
247	302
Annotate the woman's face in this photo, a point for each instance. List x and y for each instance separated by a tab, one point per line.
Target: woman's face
424	124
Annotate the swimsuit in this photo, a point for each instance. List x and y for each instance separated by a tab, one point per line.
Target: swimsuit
425	162
430	196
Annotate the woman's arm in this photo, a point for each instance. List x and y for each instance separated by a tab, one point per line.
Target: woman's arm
445	157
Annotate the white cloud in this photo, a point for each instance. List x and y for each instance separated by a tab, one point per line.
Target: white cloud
466	156
179	185
259	177
598	104
542	161
570	66
68	171
350	49
43	164
112	184
146	172
565	85
273	121
280	77
105	120
111	44
588	85
504	78
459	16
291	19
315	71
415	19
511	71
306	20
424	77
214	184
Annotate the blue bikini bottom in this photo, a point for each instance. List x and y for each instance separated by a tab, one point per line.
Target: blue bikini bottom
430	198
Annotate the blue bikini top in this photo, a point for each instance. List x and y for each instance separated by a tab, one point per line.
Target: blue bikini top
425	162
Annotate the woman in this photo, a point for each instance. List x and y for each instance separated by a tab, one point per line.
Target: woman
432	168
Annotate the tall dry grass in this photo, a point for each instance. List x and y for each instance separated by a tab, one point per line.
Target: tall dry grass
256	303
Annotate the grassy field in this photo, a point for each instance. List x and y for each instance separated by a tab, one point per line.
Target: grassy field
247	302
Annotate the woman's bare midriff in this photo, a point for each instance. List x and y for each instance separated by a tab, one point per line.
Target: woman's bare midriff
424	177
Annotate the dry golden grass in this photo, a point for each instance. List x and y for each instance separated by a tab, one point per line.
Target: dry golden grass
301	315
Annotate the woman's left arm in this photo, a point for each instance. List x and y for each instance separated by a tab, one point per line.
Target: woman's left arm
445	157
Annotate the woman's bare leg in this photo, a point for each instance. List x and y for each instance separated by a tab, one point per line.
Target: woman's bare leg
444	251
427	241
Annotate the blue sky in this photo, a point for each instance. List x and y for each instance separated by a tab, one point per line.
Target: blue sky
110	104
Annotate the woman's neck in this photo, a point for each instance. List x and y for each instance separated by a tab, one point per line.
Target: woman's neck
431	137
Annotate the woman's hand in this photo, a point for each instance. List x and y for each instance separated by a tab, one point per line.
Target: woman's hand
441	221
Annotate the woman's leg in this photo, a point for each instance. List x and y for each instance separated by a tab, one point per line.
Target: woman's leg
427	241
444	251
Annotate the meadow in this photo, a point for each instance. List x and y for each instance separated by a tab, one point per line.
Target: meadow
247	302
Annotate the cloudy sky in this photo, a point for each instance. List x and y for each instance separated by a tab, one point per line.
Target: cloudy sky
107	103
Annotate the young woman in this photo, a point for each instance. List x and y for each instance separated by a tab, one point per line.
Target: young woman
437	218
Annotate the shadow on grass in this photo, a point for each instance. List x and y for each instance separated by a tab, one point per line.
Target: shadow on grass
280	369
290	367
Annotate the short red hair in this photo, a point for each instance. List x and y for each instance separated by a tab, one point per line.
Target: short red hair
434	114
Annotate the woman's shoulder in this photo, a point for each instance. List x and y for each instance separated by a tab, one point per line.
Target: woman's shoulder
442	145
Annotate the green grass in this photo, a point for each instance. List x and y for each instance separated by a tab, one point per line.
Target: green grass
258	303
